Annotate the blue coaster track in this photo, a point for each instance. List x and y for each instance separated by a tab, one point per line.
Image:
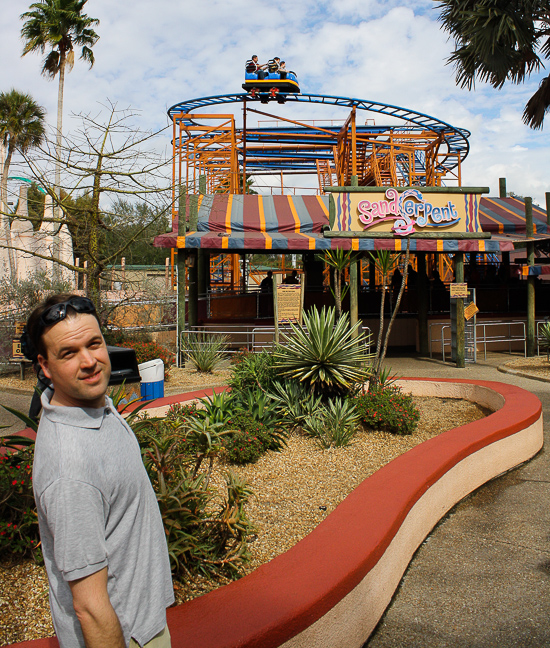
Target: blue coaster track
455	139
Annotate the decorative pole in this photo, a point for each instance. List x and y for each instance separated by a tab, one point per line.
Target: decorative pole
460	337
531	278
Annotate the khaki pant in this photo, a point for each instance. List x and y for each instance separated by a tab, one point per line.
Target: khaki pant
162	640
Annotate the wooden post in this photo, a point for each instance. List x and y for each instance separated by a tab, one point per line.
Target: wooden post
422	287
372	275
502	187
202	258
460	324
353	295
181	270
530	279
77	273
193	302
244	148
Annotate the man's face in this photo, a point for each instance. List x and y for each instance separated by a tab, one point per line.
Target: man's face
77	362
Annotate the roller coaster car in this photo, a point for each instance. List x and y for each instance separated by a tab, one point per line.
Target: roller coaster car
272	86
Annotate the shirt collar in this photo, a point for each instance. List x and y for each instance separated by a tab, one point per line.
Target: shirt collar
84	417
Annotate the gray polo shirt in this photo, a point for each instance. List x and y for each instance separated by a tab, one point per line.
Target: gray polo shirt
96	509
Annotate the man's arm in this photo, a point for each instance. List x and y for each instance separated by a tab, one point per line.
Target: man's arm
98	620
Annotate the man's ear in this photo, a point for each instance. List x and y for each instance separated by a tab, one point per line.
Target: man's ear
44	364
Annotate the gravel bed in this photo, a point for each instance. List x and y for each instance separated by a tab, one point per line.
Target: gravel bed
289	489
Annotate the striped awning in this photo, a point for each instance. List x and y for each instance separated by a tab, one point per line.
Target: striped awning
257	223
535	270
507	216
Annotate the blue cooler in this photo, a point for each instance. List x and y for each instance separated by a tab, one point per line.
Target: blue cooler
152	379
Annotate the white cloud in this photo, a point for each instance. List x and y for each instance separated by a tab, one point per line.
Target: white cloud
161	52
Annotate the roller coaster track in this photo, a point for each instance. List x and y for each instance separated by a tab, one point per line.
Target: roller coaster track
456	139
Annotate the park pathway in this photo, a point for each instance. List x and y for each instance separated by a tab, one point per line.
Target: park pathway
482	577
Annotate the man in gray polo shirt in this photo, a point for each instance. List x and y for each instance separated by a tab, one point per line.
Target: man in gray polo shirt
102	535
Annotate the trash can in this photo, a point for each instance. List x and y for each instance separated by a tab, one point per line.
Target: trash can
152	379
124	371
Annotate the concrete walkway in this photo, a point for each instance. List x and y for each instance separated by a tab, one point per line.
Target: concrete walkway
482	578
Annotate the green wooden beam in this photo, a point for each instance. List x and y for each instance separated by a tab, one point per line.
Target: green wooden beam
530	337
416	235
460	323
354	294
424	190
423	288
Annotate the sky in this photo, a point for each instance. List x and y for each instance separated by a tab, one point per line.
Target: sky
151	55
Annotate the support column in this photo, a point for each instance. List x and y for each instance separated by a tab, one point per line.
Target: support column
372	274
502	187
180	261
193	303
192	256
423	288
203	269
547	194
353	295
460	324
530	279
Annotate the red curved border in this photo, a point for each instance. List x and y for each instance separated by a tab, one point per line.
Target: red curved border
287	595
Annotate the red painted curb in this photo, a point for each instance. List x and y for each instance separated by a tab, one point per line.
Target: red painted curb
287	595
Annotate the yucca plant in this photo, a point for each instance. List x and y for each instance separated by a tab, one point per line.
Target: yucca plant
334	424
329	356
544	338
205	351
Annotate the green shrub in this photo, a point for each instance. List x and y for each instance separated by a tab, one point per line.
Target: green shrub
205	350
334	424
247	439
388	408
146	351
182	412
253	371
19	534
206	533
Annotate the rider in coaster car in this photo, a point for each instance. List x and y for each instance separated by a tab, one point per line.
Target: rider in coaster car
273	65
252	66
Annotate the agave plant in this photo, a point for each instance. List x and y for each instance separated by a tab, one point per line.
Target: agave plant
333	425
294	403
205	351
329	356
544	338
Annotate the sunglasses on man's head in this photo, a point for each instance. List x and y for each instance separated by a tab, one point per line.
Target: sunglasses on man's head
58	312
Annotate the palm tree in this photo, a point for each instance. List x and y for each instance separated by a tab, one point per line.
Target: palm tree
21	127
499	41
59	26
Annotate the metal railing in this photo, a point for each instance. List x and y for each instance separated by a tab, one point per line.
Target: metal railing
250	337
499	338
483	337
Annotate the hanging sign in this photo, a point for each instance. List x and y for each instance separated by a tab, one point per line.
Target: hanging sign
458	290
289	303
470	311
16	352
406	212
